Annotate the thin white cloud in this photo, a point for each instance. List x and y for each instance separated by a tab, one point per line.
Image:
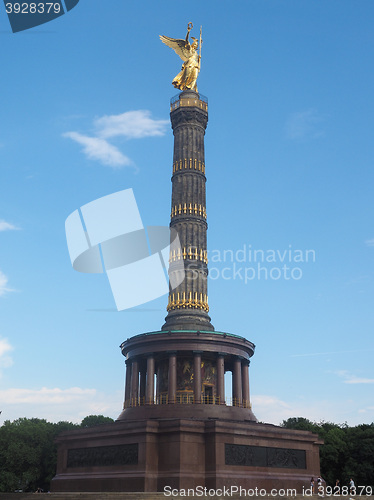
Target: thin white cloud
324	353
304	125
4	347
370	243
367	409
269	402
44	395
97	148
131	125
56	404
353	379
5	360
270	409
4	285
7	226
358	380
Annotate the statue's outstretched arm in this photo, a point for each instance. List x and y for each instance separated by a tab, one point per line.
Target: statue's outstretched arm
189	28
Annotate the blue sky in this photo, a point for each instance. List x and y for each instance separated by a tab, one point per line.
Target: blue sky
289	162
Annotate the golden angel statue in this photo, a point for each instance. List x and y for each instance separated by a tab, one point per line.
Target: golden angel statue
187	51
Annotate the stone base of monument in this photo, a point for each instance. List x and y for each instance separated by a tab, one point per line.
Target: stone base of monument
185	453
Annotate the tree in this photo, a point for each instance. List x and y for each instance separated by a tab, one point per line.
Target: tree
93	420
359	459
28	453
347	452
332	453
301	424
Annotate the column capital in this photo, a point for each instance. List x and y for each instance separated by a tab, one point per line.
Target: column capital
240	358
133	359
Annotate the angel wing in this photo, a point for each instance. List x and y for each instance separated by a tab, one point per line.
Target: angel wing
181	47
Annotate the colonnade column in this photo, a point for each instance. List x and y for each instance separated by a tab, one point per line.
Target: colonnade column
172	377
134	383
127	383
221	378
143	375
245	383
158	378
237	382
150	387
197	376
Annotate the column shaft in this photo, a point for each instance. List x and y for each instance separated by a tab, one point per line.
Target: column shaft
197	377
134	383
221	379
245	383
128	383
172	378
143	375
237	382
188	302
158	378
150	389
